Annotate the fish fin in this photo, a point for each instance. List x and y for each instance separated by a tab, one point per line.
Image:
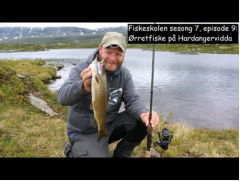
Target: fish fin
91	106
97	79
102	135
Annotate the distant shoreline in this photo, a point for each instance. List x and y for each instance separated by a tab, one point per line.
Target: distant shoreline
93	43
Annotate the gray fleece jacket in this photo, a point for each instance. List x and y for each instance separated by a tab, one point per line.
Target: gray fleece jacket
120	88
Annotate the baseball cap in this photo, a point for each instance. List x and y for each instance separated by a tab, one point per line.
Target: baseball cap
114	38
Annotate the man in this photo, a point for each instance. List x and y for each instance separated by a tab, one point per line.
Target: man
129	126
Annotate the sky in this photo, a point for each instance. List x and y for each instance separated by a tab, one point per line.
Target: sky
53	24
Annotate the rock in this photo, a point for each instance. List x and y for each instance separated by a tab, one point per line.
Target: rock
174	124
42	105
56	65
58	77
51	81
154	153
187	154
21	76
59	66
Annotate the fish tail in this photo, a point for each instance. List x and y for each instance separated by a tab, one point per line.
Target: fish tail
100	135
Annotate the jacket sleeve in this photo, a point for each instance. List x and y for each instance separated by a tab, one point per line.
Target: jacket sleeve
133	104
71	91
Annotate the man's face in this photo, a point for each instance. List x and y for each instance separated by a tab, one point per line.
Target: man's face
113	57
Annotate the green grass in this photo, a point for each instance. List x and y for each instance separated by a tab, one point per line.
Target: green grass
91	43
190	142
30	68
14	47
192	48
14	90
25	131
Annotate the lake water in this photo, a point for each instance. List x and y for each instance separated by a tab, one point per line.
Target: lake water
202	89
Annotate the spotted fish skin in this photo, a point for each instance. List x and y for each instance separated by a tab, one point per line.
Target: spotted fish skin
99	97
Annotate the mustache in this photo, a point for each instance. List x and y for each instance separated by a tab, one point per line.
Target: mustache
109	61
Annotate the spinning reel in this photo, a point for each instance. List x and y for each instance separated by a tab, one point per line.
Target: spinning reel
165	138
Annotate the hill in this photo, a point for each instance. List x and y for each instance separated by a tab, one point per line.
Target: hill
18	39
53	34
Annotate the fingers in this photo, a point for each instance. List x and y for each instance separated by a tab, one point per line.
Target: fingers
145	118
88	82
155	119
86	73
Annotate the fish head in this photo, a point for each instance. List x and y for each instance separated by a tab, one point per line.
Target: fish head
98	67
94	65
101	67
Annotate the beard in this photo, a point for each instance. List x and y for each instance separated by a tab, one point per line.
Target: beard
112	66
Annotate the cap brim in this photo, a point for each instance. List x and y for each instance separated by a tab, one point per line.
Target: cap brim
105	45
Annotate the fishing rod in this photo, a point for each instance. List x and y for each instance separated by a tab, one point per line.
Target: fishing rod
149	127
165	137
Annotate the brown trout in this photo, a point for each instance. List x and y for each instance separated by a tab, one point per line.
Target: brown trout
99	96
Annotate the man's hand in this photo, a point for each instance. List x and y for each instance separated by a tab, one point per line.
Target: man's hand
86	77
154	121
